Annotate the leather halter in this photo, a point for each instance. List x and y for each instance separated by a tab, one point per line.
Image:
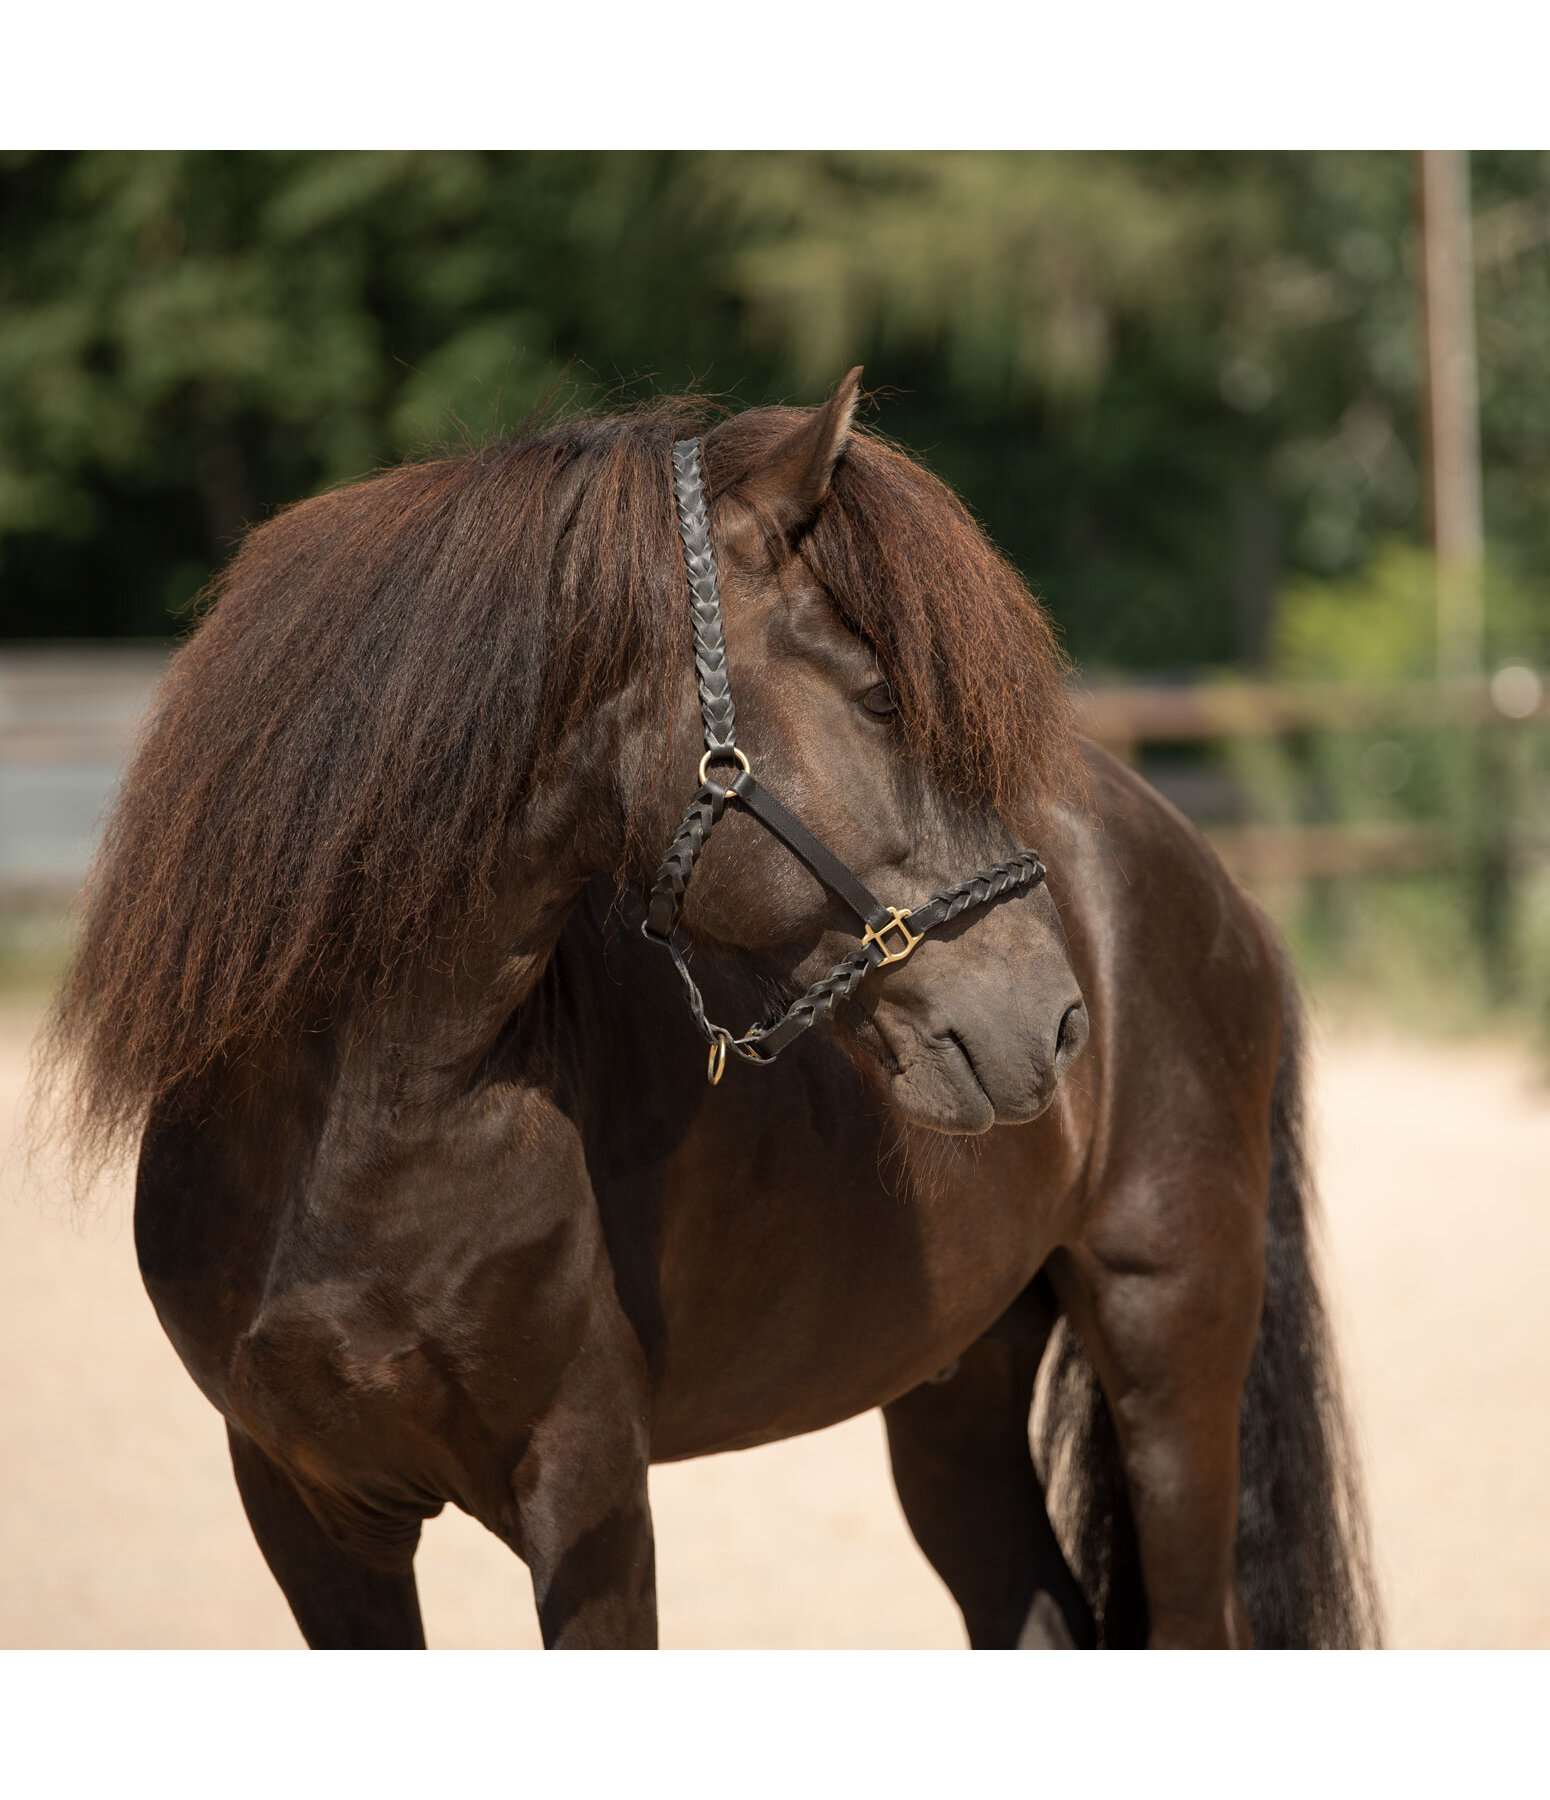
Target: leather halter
889	933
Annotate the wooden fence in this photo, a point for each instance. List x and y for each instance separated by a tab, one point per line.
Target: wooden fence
68	713
1127	719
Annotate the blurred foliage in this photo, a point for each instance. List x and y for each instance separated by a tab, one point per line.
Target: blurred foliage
1442	946
1403	948
1170	384
1379	622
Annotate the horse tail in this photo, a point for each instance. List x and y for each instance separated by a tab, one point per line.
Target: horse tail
1303	1549
1304	1552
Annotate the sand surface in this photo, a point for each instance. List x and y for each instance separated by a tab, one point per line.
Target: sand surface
120	1526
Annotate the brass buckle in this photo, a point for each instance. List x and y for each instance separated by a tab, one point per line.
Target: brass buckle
895	923
733	751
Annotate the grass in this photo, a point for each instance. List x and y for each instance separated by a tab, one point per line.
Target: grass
35	941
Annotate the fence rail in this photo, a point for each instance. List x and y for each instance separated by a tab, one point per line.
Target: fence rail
1122	717
1127	718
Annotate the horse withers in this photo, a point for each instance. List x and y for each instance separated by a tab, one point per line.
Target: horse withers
434	1199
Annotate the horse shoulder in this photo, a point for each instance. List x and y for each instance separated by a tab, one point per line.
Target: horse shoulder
1183	982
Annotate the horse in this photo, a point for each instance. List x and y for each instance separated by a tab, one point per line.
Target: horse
433	1197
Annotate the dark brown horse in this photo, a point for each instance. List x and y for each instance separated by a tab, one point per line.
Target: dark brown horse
434	1200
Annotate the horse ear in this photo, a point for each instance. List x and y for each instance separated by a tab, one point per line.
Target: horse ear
791	480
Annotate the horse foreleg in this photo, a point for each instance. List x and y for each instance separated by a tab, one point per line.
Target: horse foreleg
579	1515
966	1481
1171	1336
351	1587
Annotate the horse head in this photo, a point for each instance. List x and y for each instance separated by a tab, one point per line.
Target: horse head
973	1025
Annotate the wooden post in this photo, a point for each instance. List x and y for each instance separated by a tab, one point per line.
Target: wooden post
1452	410
1453	444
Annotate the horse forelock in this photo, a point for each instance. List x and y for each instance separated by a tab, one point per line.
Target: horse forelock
973	659
343	749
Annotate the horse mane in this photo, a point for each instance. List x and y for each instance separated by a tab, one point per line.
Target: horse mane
972	658
341	752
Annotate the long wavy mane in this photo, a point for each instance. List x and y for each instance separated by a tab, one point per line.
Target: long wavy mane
344	748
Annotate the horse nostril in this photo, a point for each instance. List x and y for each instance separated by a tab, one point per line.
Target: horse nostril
1071	1036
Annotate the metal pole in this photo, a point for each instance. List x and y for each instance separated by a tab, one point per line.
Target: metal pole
1452	410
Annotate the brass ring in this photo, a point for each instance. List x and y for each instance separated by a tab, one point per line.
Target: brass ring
731	750
716	1067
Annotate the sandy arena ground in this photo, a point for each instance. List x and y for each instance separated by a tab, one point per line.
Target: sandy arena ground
120	1526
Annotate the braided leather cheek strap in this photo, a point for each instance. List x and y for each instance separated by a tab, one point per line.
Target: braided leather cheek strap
710	644
765	1041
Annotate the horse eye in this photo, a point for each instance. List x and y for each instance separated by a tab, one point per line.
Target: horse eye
879	701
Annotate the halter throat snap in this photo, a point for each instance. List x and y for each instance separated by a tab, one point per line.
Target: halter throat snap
889	933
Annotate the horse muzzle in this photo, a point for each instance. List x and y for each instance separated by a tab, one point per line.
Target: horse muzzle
980	1068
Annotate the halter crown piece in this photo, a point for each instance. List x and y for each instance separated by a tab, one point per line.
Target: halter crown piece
889	933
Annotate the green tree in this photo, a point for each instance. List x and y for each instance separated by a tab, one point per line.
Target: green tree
1168	383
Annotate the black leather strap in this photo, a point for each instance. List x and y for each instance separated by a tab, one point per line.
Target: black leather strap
800	841
710	644
1018	872
682	854
767	1040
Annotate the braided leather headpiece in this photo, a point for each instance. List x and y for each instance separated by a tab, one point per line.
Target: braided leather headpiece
889	933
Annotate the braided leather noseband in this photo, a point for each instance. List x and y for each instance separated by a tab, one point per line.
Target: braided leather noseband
890	932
